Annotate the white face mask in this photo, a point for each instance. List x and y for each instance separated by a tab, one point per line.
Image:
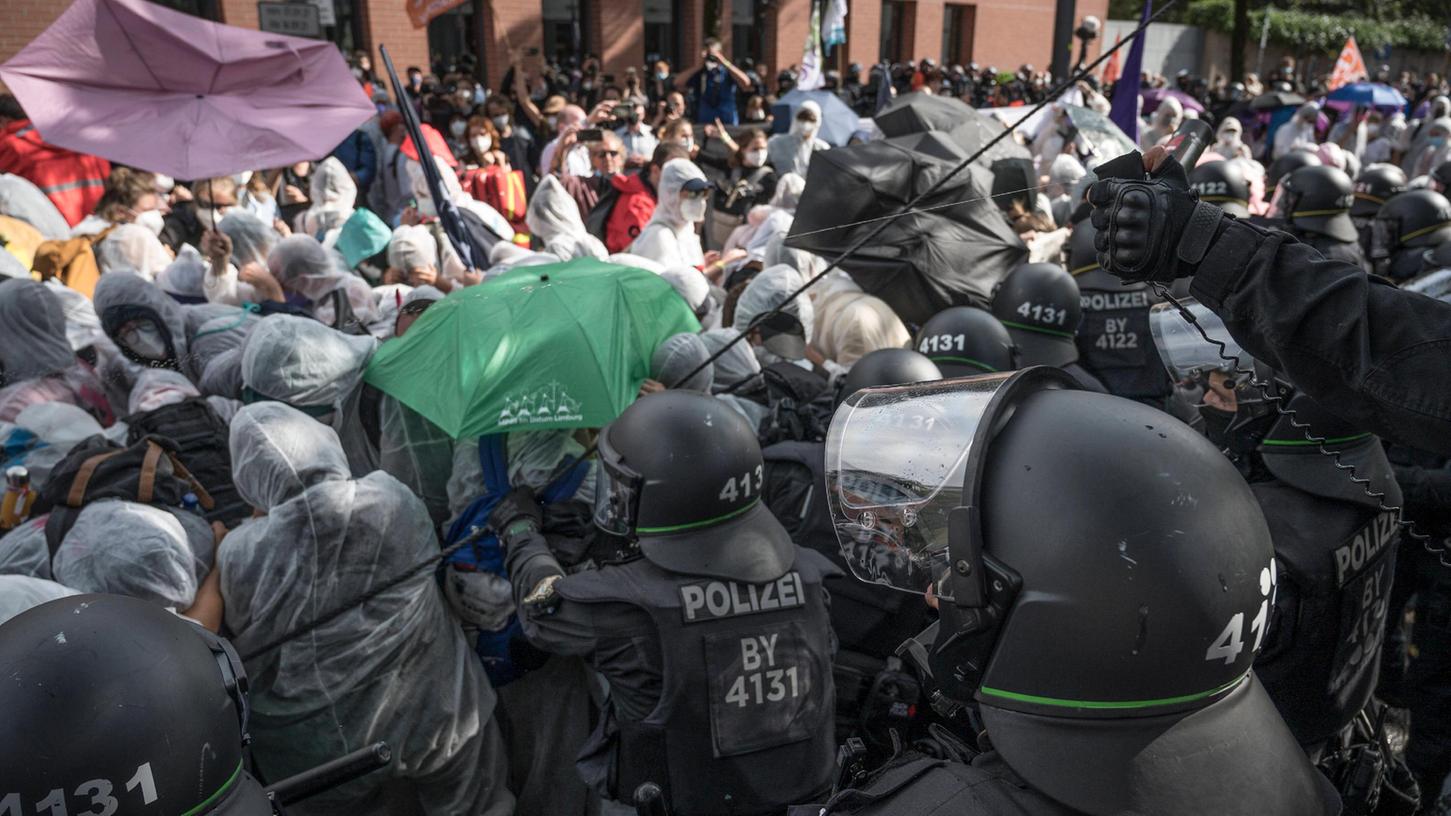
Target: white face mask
803	128
501	121
144	340
692	209
152	220
458	128
481	144
688	143
551	122
755	158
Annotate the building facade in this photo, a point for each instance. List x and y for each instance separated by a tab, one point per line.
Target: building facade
1003	33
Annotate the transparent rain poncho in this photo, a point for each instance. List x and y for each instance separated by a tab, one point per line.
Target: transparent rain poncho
137	550
676	358
309	366
395	669
304	266
554	217
19	593
133	247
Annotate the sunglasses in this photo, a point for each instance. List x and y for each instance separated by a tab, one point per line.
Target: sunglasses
612	153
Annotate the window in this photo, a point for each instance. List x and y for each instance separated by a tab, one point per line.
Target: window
746	22
661	37
565	34
957	31
450	35
898	18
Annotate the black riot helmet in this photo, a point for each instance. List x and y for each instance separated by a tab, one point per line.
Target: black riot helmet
1106	640
681	473
1376	185
1404	227
965	340
1039	305
1441	176
115	702
888	366
1287	164
1316	200
1295	459
1222	183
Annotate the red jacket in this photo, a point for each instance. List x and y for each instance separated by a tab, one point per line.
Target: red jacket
72	181
632	208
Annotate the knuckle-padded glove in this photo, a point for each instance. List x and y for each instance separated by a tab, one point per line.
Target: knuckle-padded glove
1152	229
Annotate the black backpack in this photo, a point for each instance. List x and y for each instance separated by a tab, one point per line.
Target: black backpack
801	404
146	472
200	439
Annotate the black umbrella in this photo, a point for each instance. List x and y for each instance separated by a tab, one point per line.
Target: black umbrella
918	112
1276	99
952	251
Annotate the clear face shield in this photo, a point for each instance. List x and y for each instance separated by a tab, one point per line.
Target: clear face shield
896	461
1186	354
617	492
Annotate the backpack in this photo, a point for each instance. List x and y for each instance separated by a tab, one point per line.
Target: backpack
146	472
201	441
801	405
73	260
345	319
505	653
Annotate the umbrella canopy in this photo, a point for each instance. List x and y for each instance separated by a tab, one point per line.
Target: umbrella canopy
917	112
838	122
1276	99
553	346
1153	97
951	252
143	85
1368	94
1106	139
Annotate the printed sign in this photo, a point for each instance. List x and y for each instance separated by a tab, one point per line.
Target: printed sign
294	19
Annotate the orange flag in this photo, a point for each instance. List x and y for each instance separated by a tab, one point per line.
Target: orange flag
1350	67
1111	68
421	11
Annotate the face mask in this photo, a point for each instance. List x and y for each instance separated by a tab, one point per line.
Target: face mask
207	216
687	143
755	158
692	209
551	121
803	128
458	128
1229	138
144	340
1436	141
152	220
711	65
662	75
501	121
481	144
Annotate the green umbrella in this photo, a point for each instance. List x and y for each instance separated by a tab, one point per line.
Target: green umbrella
558	346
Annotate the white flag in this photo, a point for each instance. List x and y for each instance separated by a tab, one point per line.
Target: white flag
833	28
809	77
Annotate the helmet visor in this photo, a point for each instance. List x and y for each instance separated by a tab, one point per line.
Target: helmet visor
896	459
1185	352
617	492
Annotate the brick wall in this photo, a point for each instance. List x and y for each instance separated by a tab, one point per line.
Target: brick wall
617	34
385	22
863	33
239	12
22	20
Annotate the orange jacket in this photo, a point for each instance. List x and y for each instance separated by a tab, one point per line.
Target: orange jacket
72	181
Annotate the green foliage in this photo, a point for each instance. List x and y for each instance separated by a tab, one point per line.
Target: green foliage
1323	32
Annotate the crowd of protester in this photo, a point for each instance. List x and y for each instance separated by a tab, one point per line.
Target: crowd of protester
241	312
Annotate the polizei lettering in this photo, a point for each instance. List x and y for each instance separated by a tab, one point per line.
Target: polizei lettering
713	600
1352	556
1109	301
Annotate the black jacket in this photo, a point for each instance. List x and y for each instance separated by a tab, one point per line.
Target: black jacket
1377	355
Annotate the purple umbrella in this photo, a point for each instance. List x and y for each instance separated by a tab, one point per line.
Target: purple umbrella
1153	96
164	91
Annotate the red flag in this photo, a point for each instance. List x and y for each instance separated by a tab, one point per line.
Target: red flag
1350	67
421	11
1111	69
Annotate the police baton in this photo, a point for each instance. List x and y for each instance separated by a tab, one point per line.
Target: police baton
332	774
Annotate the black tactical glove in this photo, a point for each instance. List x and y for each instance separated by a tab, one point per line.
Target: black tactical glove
519	505
1152	229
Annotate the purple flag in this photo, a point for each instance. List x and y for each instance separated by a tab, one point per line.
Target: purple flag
1125	110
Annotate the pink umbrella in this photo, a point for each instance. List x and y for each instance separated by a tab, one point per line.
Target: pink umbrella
164	91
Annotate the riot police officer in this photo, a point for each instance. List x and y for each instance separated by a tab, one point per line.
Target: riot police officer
1039	305
1404	228
1221	183
1113	339
1376	184
714	637
1107	638
1314	203
965	340
117	705
1336	550
870	621
1285	165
